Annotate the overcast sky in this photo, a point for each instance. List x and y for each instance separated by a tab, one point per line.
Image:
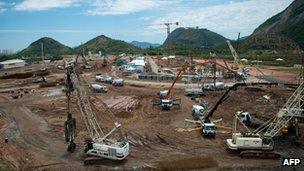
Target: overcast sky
73	22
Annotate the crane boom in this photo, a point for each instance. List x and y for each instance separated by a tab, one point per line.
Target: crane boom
84	106
293	107
184	67
99	146
234	54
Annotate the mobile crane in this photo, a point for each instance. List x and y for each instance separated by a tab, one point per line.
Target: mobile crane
99	146
257	143
234	54
164	97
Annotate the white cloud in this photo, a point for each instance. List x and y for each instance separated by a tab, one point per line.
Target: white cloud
121	7
226	19
2	7
40	5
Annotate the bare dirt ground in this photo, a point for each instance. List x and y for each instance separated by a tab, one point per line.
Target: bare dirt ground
34	126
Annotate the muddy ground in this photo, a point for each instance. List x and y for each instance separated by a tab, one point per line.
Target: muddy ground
34	126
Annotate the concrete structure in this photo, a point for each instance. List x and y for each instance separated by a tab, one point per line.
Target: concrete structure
12	63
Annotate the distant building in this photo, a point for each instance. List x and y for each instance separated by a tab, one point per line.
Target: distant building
6	51
137	65
12	63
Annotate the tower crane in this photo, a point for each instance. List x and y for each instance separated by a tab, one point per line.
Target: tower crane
168	27
260	141
99	145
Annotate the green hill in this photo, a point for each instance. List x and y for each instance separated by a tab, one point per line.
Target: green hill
200	39
108	46
52	50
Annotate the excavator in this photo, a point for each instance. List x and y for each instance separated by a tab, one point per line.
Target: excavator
164	98
204	115
99	146
260	142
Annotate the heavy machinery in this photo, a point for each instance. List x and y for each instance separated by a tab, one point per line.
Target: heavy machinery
203	113
99	145
85	64
235	55
99	88
118	82
260	142
199	110
164	98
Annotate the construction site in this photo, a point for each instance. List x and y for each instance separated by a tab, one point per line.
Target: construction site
198	101
150	114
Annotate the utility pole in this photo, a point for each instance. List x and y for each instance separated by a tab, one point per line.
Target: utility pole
238	42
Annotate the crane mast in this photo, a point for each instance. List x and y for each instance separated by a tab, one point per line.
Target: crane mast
84	106
99	145
292	108
257	143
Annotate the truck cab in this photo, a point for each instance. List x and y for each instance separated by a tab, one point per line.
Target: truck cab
166	104
244	117
208	129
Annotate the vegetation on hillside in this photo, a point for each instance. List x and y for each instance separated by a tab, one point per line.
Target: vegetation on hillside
107	45
53	50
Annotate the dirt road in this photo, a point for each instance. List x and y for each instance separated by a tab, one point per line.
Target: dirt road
30	135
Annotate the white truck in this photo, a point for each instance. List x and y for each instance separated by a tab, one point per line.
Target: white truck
118	82
166	104
108	79
99	88
217	86
194	91
100	78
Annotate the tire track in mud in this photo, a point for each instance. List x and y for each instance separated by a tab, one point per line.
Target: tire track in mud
31	135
